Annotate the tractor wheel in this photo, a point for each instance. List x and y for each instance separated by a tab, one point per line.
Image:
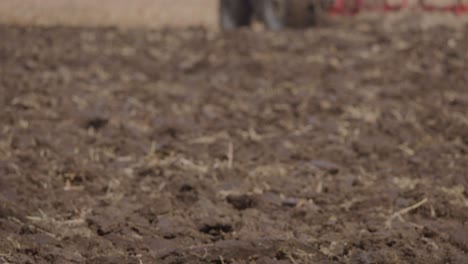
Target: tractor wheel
234	13
280	14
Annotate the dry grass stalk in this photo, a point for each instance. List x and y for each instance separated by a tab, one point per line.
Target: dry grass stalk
404	211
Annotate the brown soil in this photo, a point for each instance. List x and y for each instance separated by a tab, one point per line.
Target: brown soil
335	145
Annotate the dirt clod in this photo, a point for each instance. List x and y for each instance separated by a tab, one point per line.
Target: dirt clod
241	202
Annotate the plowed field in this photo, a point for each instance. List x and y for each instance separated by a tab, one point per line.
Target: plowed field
340	144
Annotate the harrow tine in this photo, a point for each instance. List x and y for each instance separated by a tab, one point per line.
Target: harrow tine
457	8
395	7
340	7
353	7
344	7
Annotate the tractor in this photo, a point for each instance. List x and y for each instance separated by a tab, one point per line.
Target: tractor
281	14
274	14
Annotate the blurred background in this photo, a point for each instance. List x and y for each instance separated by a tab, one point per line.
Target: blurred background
111	12
157	13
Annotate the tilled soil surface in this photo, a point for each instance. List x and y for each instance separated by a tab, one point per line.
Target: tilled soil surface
334	145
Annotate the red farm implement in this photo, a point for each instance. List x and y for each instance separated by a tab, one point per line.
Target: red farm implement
340	7
278	14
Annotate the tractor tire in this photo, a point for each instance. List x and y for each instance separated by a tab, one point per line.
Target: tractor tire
281	14
234	14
